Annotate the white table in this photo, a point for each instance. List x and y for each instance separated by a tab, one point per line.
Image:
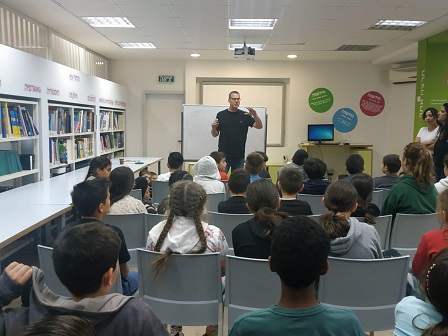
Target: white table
27	208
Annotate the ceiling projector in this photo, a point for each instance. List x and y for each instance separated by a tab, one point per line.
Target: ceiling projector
244	53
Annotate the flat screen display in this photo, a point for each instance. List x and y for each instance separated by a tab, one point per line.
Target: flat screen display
321	132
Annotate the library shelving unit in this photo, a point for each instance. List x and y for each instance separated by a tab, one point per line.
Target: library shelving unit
112	130
19	142
71	135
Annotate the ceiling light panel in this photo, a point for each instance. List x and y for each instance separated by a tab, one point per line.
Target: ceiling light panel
397	25
256	24
136	45
108	22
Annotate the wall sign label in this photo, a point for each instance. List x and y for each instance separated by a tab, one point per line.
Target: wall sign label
320	100
32	88
166	79
345	120
372	103
106	101
74	78
53	92
91	99
73	95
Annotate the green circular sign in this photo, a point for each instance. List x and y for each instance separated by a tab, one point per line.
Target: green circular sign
320	100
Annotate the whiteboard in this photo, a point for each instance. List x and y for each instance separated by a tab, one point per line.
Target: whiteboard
197	140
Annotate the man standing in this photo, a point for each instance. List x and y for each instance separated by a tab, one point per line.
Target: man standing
232	125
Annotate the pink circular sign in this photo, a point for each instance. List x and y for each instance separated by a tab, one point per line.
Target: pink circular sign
372	103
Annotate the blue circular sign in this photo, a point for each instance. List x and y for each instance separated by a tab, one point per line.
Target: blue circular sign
345	120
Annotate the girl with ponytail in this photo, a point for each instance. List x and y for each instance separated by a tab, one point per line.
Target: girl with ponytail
252	239
427	316
363	184
184	232
415	193
349	238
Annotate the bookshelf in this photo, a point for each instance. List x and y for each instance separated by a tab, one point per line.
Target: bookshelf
19	142
71	135
112	131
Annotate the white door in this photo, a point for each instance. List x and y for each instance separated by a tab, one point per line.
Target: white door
163	124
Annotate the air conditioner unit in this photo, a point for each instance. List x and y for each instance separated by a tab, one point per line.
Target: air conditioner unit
403	73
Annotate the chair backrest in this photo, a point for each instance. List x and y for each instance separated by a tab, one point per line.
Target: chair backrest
376	197
408	229
160	190
52	280
384	193
370	288
188	292
133	227
151	221
250	285
383	225
227	222
315	201
136	193
315	218
213	201
134	231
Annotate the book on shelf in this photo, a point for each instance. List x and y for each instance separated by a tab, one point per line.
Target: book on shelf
28	161
62	150
9	162
104	120
15	121
6	121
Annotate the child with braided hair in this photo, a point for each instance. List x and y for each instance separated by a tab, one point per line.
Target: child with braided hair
349	238
427	316
184	232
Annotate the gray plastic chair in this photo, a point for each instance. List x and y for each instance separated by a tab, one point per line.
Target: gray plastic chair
160	190
383	225
52	280
315	202
213	201
227	222
133	227
369	288
315	218
408	229
384	193
151	221
189	292
136	193
376	197
250	285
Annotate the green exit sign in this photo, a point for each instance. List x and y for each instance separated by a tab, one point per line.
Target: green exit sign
166	79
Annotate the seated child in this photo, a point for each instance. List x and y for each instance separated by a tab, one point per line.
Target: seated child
149	175
100	166
207	175
443	183
59	325
142	184
264	173
176	176
390	167
220	159
290	183
349	238
252	239
92	200
427	316
237	185
254	166
363	184
121	202
184	232
175	162
354	164
299	252
85	261
316	184
433	241
297	163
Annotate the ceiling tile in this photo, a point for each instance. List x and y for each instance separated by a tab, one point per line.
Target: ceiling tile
258	12
93	10
429	14
199	2
376	3
152	2
294	13
361	13
200	11
156	22
148	10
426	4
349	24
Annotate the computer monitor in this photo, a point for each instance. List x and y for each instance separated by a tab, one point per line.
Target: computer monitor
321	132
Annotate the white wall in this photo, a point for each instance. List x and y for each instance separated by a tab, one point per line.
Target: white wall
348	81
